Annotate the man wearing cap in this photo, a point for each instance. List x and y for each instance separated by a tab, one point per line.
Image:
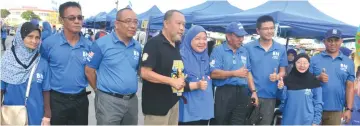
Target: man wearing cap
230	66
268	61
336	73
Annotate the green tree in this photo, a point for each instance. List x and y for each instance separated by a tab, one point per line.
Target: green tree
4	13
28	15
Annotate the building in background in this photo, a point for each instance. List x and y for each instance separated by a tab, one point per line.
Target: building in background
46	15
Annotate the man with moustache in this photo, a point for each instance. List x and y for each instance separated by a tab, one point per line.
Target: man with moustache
160	68
112	72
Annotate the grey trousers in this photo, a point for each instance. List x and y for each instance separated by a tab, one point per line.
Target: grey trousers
267	108
112	110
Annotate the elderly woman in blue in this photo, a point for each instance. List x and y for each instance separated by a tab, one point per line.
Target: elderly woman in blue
16	66
301	100
197	106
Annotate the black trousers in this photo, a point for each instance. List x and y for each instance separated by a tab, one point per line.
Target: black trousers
200	122
69	109
3	43
232	105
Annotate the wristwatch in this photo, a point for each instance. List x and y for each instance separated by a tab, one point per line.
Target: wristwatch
351	110
252	91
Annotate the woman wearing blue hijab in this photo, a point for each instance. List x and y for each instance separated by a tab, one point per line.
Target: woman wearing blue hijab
17	64
197	106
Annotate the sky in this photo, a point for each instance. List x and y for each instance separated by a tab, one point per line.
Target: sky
343	10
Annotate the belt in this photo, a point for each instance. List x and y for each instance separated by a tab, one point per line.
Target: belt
71	96
126	97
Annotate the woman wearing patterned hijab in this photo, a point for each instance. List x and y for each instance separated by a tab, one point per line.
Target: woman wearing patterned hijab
16	66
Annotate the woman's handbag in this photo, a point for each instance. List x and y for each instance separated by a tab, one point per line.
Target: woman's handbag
17	114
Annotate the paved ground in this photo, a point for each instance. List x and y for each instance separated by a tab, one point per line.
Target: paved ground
92	119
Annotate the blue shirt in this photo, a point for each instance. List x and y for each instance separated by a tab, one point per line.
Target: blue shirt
15	93
263	64
3	33
301	107
339	70
223	58
67	63
116	64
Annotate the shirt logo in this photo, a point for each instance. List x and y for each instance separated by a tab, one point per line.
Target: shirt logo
145	56
212	63
307	92
85	55
243	59
343	67
136	55
89	56
39	78
275	55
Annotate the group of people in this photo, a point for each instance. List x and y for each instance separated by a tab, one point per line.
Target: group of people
178	75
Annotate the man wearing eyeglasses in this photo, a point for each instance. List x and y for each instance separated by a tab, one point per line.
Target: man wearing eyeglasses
112	72
229	66
336	73
66	53
268	60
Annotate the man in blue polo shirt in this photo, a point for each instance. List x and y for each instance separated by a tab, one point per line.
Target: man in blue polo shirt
336	73
268	61
229	64
112	72
66	53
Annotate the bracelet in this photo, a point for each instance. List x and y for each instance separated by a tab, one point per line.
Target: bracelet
46	119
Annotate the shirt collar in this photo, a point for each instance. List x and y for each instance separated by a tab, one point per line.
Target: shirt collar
115	39
227	48
64	40
274	45
340	56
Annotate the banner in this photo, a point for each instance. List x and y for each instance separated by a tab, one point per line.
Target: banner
357	45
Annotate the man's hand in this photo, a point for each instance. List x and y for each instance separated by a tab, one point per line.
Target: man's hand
323	77
254	96
347	116
274	76
242	72
177	83
203	84
280	83
45	121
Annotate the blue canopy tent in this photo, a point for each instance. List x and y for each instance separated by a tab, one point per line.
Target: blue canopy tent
91	21
296	19
209	7
154	10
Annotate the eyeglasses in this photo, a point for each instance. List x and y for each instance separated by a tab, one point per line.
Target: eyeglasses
73	18
129	21
302	63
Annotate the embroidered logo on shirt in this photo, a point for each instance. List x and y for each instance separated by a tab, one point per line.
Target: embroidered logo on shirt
136	55
343	67
307	91
90	56
145	56
39	78
275	55
212	63
243	59
85	55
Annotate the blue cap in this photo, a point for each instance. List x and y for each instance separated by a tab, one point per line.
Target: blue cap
236	28
333	33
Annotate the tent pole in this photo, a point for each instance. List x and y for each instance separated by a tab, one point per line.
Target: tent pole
287	43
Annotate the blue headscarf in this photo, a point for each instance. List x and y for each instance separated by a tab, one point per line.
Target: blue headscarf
46	32
292	51
11	71
195	63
